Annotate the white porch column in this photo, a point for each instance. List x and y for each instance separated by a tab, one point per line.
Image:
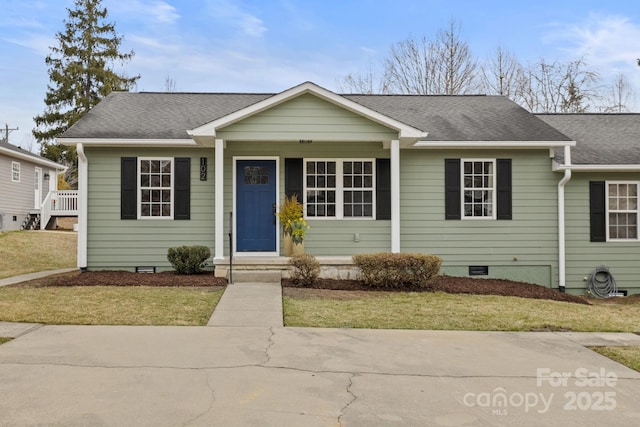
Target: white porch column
395	196
219	200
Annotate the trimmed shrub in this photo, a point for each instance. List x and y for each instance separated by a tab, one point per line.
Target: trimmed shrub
390	270
306	269
188	259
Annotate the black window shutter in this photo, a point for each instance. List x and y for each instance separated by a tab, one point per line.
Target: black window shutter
128	188
383	189
452	208
182	187
597	211
293	179
504	197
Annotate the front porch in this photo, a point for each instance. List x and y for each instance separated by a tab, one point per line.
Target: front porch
334	267
58	203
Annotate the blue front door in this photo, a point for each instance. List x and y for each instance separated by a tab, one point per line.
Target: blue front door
255	205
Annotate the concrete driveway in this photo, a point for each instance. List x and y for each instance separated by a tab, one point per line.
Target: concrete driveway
257	376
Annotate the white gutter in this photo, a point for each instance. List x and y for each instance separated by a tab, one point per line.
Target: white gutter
561	220
597	168
493	144
123	142
83	193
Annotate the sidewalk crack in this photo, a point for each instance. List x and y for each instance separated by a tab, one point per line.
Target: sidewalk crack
354	397
211	403
270	344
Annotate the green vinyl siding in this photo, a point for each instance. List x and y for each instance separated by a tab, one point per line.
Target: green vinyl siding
582	255
523	248
125	244
306	117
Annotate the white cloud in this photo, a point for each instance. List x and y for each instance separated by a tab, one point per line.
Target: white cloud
38	44
232	13
149	11
605	40
607	43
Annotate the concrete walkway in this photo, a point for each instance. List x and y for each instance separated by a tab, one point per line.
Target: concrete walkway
26	277
249	305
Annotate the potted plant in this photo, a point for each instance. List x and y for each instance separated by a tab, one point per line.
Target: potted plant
290	211
299	228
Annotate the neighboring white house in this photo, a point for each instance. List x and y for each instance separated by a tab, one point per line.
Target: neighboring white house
26	180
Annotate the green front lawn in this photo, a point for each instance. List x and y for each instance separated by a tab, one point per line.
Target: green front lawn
441	311
23	252
108	305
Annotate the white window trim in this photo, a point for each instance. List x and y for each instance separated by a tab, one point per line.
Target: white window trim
14	172
340	189
494	199
607	211
173	182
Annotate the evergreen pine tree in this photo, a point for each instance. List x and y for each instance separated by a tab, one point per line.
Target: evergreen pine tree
81	74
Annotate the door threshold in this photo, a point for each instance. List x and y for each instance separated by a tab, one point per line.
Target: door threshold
255	254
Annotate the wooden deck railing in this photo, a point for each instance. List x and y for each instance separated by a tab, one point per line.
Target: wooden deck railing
59	203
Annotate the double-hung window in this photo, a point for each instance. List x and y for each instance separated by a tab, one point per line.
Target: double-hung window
155	188
622	210
339	188
478	189
15	171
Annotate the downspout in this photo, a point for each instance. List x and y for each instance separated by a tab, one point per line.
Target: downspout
561	220
83	180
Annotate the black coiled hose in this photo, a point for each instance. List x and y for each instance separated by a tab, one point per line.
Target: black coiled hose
601	283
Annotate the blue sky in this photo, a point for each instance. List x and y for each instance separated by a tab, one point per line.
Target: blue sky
269	46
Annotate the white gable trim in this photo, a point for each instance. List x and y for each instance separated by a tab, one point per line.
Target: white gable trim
404	131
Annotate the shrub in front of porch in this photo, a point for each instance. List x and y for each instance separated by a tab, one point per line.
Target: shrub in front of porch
391	270
306	269
188	259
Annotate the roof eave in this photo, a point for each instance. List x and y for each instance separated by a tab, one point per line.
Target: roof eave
127	142
492	144
596	168
38	160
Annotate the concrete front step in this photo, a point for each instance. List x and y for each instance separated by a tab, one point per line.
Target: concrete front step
257	276
335	267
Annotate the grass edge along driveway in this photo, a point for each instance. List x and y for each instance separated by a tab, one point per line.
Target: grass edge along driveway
109	305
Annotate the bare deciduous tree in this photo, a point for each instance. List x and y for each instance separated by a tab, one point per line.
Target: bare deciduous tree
170	84
431	67
368	83
558	87
619	96
501	74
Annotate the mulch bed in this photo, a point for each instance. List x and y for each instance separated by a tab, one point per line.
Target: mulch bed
448	284
126	278
454	285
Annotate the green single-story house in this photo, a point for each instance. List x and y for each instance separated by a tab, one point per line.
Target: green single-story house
492	189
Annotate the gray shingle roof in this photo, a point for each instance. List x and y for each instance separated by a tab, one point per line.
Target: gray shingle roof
446	118
463	117
36	158
601	139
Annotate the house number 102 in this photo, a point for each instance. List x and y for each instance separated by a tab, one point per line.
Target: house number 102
203	168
